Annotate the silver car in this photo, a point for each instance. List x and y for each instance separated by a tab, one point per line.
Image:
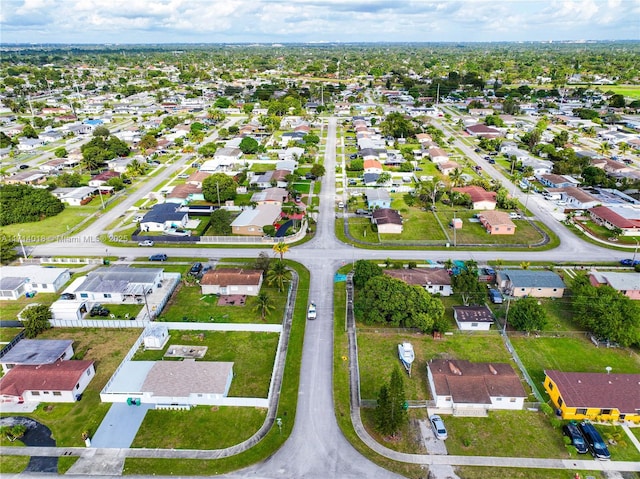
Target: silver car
438	427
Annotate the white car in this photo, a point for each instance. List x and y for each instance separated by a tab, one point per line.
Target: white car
438	427
146	243
311	312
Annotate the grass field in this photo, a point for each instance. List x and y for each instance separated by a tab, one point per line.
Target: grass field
189	304
631	91
252	354
9	309
571	354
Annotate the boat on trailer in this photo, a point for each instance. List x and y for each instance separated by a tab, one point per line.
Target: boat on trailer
406	354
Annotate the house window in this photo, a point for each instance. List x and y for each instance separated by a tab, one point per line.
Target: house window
84	295
448	398
474	325
34	285
107	295
605	411
551	386
498	399
512	400
78	386
57	393
35	393
45	393
441	288
88	372
522	289
581	411
622	417
43	286
560	402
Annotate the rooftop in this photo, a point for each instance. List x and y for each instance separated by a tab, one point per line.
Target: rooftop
36	351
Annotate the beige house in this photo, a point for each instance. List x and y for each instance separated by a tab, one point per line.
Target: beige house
232	281
388	221
537	283
497	223
252	221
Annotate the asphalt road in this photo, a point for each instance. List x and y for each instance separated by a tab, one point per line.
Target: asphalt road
316	448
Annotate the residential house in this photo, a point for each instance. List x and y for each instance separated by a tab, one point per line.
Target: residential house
223	159
102	178
228	281
378	198
552	180
539	167
508	147
626	283
53	166
62	381
473	318
481	199
30	144
163	216
433	280
116	284
447	167
462	385
275	196
595	396
185	193
119	165
424	138
438	155
26	178
49	136
370	179
18	280
526	282
252	221
292	137
612	217
372	166
387	220
197	178
484	131
37	351
578	198
497	223
263	180
75	196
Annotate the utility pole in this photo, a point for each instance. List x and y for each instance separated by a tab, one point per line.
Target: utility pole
506	316
218	191
24	252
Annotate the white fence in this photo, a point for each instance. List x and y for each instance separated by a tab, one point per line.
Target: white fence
51	260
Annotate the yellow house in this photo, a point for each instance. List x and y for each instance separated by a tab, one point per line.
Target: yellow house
595	396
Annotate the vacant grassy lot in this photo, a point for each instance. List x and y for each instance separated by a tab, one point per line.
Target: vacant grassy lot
485	436
632	91
106	347
46	230
252	354
468	472
7	334
200	428
571	354
189	304
378	355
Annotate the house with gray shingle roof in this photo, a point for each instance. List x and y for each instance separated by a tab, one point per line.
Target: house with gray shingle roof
536	283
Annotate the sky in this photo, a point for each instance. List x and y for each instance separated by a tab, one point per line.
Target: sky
316	21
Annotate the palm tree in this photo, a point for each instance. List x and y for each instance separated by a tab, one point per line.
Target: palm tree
280	248
456	177
278	274
263	305
448	264
604	149
624	147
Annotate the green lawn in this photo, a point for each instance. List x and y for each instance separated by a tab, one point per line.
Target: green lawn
378	355
571	354
632	91
200	428
9	309
189	304
252	354
485	436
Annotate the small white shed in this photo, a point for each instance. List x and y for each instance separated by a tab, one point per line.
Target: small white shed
156	336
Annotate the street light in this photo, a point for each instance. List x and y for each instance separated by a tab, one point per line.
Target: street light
24	252
635	252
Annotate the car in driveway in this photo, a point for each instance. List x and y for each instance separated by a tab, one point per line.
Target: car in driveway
196	268
361	211
68	296
629	262
438	426
572	431
146	243
23	167
158	257
594	440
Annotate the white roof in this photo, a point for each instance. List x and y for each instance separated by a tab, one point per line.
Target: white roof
261	215
35	273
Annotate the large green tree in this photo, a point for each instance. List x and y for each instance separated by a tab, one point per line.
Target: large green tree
249	145
467	285
36	320
397	125
390	410
8	249
219	187
220	222
24	204
386	300
363	271
527	315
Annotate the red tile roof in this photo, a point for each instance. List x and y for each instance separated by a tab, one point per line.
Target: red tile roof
605	214
58	376
598	390
232	276
477	193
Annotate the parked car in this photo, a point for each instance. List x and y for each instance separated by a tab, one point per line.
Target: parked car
495	296
515	216
340	204
196	268
23	167
158	257
492	161
146	243
629	262
98	310
578	441
360	211
594	440
67	296
353	156
438	427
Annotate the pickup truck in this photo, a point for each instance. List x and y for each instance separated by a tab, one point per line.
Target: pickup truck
311	312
